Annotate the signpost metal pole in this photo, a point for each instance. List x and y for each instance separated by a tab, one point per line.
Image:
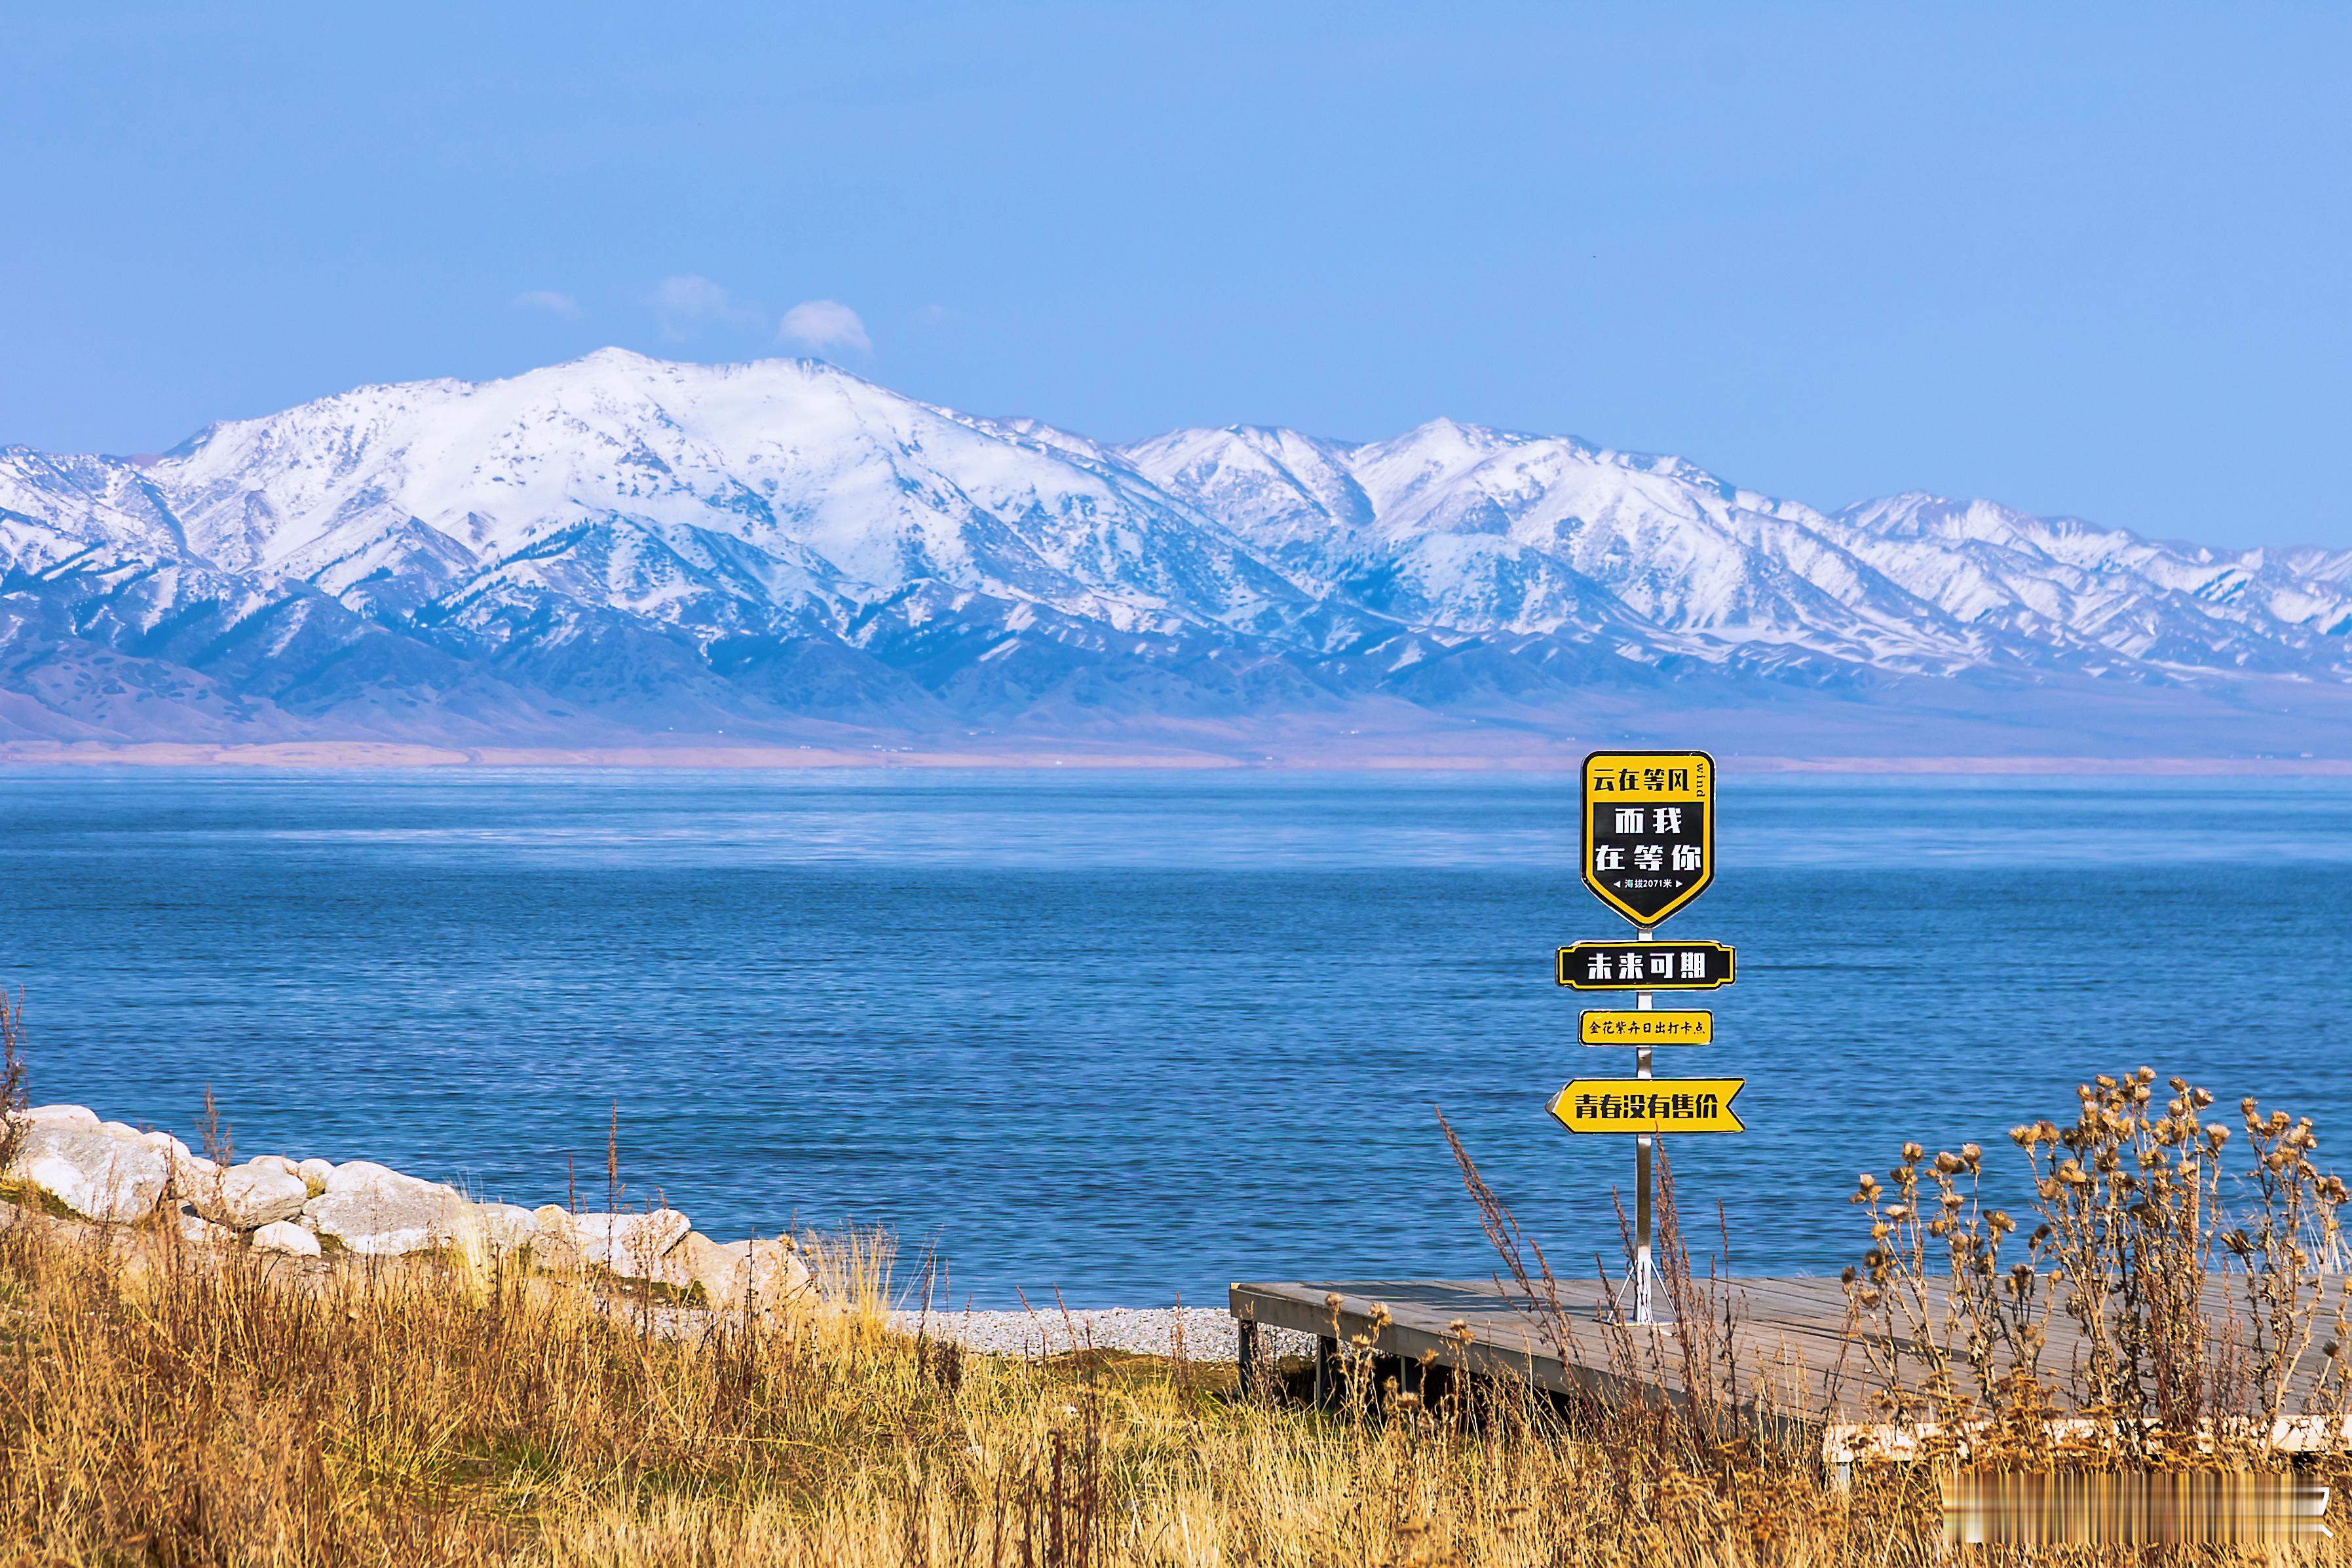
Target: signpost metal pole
1642	1146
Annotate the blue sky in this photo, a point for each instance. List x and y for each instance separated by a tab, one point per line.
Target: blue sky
2083	258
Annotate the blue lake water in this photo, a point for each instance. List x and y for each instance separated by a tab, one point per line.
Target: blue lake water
1137	1035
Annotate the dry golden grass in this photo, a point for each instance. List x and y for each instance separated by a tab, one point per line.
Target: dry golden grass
187	1411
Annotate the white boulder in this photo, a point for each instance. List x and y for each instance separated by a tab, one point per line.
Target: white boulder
283	1236
554	1239
277	1163
188	1167
314	1175
249	1196
505	1226
170	1147
630	1245
372	1208
199	1232
768	1276
58	1116
95	1171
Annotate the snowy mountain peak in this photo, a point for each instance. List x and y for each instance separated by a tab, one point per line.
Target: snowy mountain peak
783	534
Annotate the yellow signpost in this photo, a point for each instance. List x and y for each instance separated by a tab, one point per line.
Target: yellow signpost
1648	848
1682	1027
1649	831
1649	1105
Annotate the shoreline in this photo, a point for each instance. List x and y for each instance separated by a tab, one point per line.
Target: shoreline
397	757
1173	1333
111	1183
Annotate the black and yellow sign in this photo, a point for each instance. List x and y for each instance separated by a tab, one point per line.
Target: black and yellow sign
1649	831
1680	1025
1649	1105
1646	966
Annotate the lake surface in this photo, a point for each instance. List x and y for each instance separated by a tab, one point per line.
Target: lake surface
1131	1035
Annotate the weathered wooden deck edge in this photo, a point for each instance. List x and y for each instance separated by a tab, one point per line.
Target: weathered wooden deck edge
1504	1341
1280	1306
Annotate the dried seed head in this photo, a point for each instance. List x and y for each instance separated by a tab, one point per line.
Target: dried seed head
1947	1163
1912	1153
2145	1074
2202	1097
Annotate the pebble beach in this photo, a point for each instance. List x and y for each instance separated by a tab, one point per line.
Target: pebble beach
1190	1333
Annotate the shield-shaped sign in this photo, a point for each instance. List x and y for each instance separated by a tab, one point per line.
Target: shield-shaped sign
1649	831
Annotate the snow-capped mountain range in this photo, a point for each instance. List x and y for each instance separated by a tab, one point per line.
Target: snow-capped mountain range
621	546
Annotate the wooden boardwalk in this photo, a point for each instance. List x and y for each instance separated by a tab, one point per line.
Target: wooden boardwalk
1790	1351
1790	1348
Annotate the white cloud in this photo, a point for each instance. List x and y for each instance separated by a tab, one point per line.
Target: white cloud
689	300
822	324
547	300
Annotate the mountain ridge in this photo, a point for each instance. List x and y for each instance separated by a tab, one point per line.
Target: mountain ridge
621	547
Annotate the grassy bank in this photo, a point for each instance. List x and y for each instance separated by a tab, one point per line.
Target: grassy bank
191	1410
165	1404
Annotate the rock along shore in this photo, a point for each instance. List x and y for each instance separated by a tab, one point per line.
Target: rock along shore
108	1174
67	1161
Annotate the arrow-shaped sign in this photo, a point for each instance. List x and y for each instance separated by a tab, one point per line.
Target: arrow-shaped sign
1649	1105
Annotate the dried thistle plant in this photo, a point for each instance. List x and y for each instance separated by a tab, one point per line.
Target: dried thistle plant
2193	1295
